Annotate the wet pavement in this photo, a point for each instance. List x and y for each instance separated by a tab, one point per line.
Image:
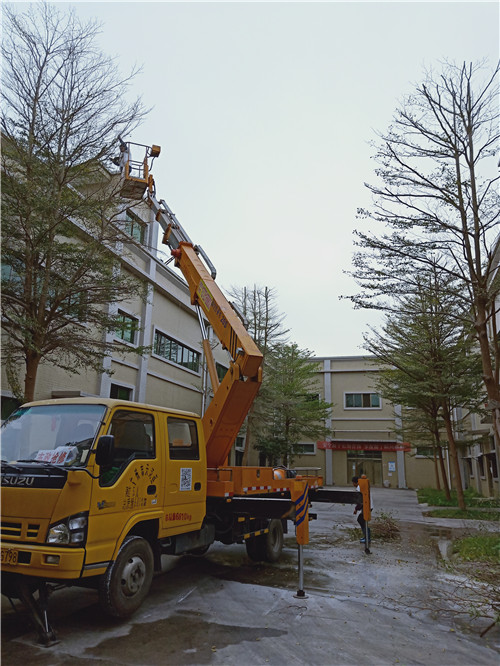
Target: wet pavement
224	609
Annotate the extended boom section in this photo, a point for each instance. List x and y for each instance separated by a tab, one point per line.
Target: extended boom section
233	398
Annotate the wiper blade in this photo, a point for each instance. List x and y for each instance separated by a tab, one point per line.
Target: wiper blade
45	463
6	463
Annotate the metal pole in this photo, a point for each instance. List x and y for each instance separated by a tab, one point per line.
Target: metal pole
300	592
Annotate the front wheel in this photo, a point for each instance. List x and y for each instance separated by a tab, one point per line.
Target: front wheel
126	583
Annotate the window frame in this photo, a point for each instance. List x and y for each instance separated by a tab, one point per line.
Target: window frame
363	393
131	224
135	323
192	452
174	347
300	452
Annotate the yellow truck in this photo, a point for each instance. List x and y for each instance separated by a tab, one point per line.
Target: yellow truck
96	490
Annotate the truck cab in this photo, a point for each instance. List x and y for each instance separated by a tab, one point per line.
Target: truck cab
82	476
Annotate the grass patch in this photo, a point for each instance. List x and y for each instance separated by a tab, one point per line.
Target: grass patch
469	514
482	548
435	497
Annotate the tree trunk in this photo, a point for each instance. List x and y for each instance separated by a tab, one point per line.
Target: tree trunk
454	457
246	448
439	449
32	363
436	470
489	377
444	476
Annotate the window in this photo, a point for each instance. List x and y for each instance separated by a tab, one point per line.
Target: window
174	351
492	462
480	464
9	275
469	468
76	306
362	401
221	371
8	406
135	227
424	452
134	436
127	327
182	439
306	449
120	392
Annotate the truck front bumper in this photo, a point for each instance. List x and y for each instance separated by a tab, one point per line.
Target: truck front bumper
42	561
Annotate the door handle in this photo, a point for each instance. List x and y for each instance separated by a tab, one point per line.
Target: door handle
197	486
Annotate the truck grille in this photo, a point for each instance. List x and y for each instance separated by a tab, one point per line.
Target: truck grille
20	531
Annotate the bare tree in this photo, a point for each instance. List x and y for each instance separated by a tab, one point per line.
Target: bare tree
64	103
438	202
265	324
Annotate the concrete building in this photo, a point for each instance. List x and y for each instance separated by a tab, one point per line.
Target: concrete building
174	373
364	441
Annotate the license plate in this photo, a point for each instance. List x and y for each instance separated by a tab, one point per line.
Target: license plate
9	556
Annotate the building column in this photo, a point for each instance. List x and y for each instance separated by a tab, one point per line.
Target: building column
327	388
145	340
400	455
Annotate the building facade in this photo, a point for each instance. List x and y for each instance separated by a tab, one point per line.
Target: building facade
174	372
362	424
364	436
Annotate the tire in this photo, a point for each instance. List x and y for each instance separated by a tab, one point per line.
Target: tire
256	548
274	541
126	583
266	547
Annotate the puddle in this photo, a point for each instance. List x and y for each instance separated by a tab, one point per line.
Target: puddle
176	640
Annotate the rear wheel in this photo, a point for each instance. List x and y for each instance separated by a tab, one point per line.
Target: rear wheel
274	541
126	583
267	547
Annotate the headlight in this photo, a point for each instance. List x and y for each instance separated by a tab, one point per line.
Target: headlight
72	531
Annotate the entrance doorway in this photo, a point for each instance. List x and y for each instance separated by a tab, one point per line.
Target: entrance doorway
365	462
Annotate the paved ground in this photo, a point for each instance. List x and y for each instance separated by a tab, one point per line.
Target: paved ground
224	609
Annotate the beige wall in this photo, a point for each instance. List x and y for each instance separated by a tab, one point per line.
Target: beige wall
158	380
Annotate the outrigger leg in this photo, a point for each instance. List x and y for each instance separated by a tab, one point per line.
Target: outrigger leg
367	540
38	610
300	592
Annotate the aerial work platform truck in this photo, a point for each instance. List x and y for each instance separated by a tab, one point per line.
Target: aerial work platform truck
96	490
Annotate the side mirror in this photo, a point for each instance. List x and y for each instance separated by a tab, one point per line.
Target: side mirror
105	451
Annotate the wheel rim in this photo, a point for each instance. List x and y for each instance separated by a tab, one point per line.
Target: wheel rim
133	576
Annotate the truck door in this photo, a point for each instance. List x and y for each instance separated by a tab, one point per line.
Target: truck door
130	489
186	477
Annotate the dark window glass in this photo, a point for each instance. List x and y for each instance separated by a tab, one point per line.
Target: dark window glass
362	400
176	352
127	327
182	439
120	392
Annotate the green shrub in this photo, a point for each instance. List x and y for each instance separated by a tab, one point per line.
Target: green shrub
478	548
468	514
435	497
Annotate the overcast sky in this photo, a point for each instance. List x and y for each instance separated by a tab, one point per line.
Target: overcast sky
264	112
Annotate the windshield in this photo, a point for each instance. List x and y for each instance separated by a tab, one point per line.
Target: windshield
56	434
